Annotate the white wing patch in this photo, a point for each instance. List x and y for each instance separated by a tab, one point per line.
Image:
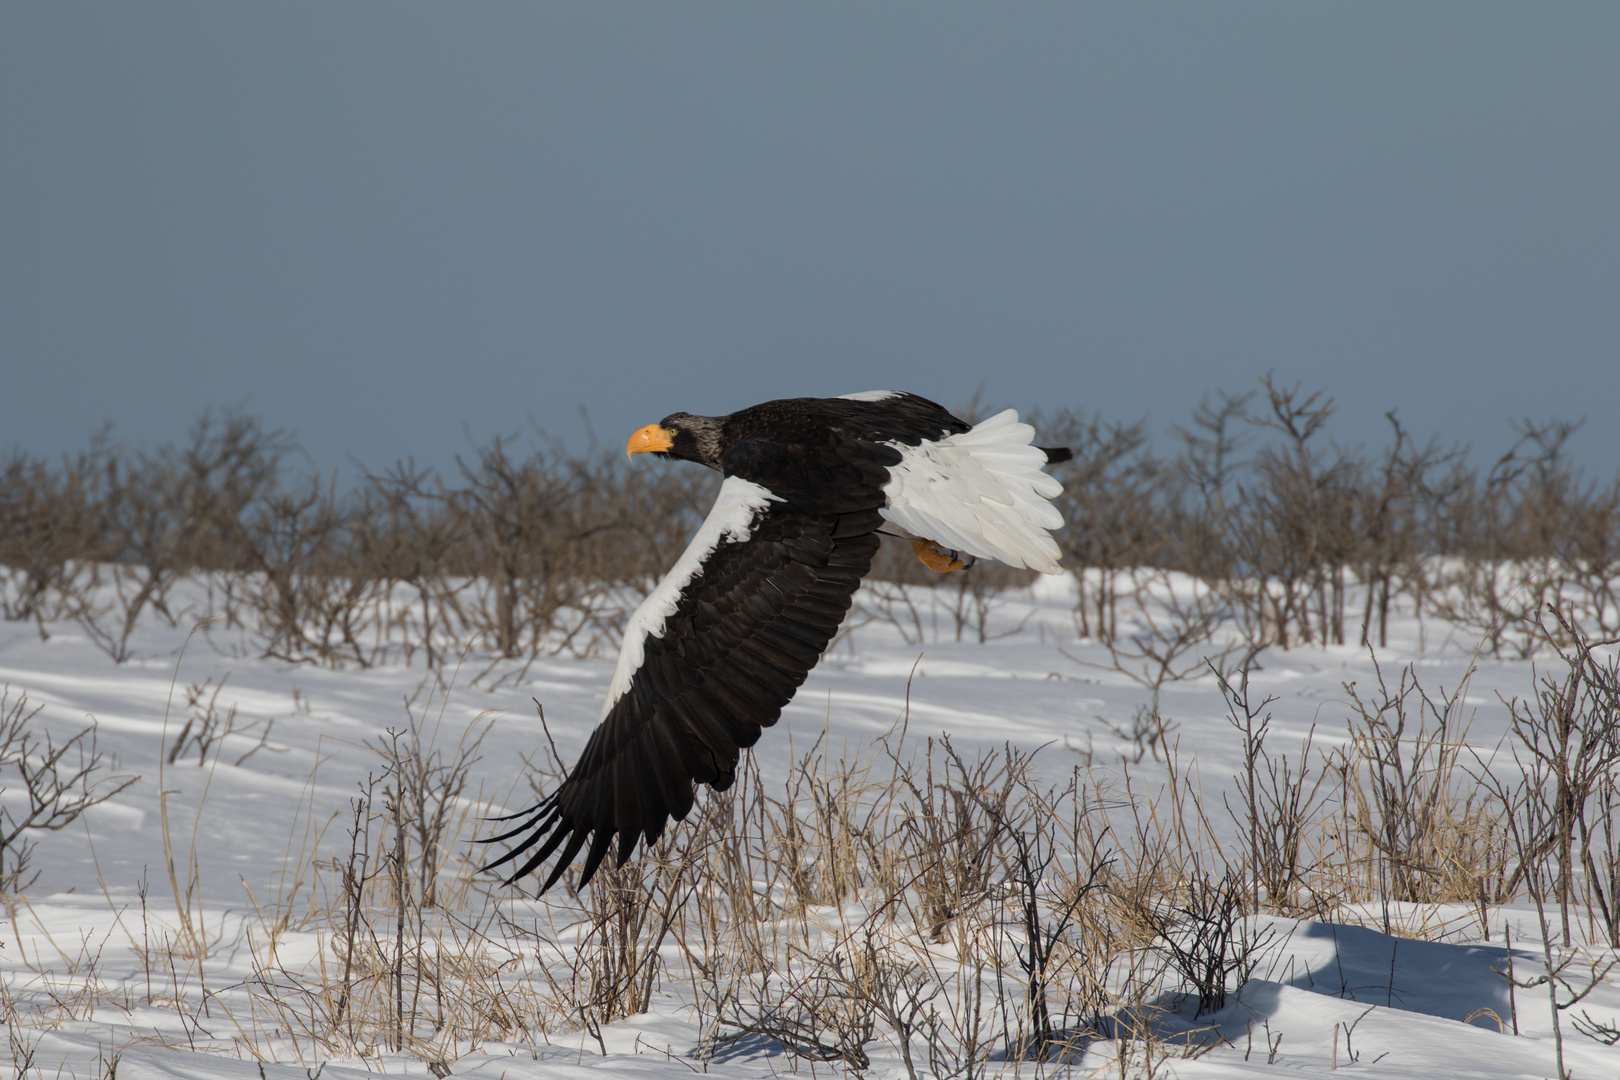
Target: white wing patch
871	395
731	520
982	491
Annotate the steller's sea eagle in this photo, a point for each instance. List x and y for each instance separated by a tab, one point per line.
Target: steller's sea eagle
721	645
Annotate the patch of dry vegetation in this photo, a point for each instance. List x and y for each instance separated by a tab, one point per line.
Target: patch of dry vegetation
965	913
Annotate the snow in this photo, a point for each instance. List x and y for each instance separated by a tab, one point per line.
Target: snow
1325	997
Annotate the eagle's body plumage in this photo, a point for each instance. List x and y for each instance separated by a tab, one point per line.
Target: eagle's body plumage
720	646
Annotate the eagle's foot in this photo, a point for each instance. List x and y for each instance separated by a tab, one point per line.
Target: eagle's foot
940	559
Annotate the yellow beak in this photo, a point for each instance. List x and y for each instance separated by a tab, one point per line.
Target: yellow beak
649	439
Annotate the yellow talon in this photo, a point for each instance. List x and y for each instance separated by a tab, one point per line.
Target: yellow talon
936	558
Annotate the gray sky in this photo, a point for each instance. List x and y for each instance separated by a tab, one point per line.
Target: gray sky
388	226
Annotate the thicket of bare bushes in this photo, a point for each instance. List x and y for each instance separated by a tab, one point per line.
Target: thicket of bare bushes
1277	522
520	551
1287	538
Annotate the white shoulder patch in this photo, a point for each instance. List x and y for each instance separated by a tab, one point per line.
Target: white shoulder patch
871	395
983	491
731	521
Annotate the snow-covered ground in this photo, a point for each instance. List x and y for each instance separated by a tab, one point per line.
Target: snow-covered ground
1325	996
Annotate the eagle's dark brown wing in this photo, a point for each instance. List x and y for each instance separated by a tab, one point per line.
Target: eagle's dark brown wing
718	649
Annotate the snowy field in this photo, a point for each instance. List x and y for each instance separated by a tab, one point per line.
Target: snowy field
175	929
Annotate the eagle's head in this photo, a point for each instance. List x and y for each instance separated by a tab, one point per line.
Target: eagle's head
680	435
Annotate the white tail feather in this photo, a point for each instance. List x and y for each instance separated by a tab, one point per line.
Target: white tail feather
982	491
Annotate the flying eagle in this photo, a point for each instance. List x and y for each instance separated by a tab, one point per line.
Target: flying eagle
721	645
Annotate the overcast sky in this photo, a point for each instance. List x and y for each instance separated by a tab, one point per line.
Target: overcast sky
388	227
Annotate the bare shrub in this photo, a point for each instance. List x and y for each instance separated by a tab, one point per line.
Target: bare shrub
207	727
1046	923
411	962
1529	533
54	534
58	782
1298	542
408	541
430	786
1413	819
1277	800
1207	939
528	514
1562	809
172	511
953	834
1108	503
1172	636
1147	732
1401	504
993	872
821	1009
827	827
306	606
1565	986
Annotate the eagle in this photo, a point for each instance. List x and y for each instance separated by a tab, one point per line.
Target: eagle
719	647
